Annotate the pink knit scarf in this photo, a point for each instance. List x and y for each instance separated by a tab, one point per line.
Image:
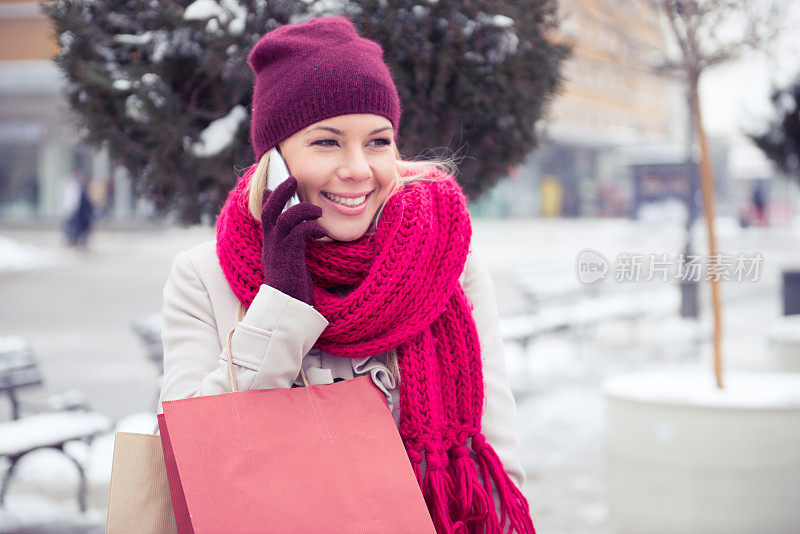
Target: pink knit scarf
405	296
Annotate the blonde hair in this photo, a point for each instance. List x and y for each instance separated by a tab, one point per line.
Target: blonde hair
258	183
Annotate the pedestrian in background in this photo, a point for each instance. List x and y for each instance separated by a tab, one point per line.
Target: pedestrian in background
78	208
759	199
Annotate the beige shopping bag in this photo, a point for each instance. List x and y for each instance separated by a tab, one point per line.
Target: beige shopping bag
138	499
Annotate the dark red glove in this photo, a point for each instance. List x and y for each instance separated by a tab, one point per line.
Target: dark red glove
283	254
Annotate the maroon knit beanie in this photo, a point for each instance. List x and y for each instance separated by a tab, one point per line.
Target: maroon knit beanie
308	72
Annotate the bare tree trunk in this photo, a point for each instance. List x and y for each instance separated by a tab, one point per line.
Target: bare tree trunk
707	186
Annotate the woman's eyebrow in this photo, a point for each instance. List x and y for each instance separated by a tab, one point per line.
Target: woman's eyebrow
339	132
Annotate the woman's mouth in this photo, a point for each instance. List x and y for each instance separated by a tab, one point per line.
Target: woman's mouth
347	206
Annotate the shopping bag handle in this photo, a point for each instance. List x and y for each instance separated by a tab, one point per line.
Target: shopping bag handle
234	385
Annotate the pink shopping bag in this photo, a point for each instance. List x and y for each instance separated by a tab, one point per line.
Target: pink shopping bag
314	459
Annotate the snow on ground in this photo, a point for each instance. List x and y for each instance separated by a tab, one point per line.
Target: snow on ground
16	256
12	344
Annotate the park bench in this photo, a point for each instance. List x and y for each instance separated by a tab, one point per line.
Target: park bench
589	311
543	286
148	329
23	434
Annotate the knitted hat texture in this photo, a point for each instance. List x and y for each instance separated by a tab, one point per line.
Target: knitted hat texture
308	72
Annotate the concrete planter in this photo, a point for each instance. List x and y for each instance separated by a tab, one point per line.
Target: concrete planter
784	341
683	457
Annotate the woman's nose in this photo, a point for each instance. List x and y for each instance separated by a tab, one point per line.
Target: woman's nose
355	167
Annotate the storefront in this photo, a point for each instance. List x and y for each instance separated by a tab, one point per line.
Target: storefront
40	149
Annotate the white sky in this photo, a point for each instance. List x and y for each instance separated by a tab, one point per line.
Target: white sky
736	95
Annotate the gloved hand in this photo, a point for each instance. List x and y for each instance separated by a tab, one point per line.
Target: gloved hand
283	254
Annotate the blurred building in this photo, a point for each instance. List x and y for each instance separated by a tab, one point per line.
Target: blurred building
39	146
612	97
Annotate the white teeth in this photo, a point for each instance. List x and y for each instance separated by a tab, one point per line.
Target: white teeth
346	201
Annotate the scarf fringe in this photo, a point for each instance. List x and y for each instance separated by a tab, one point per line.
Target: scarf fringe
459	504
513	503
471	503
437	491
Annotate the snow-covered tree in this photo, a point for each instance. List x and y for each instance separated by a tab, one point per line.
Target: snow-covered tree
165	85
475	74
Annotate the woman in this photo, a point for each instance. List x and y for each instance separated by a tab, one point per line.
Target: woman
371	273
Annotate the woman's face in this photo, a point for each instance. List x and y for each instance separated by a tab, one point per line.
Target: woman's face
345	156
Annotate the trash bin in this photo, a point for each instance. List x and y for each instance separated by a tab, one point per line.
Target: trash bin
791	292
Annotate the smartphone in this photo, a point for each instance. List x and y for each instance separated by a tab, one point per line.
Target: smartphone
277	173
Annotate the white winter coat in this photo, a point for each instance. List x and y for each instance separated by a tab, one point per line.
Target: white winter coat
277	334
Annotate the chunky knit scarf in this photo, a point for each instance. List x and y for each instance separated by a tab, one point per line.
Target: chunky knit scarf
405	296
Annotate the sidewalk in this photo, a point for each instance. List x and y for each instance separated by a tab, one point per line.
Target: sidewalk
77	313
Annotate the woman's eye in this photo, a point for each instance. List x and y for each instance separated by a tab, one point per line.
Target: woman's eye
384	141
322	142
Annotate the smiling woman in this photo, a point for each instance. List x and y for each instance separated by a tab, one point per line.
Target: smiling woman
373	273
347	166
350	157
